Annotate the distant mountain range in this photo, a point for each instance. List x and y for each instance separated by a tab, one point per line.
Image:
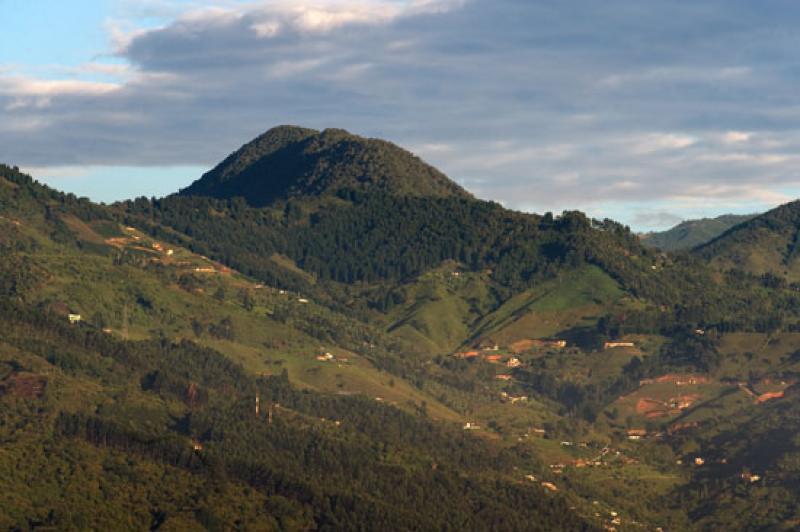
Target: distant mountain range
692	233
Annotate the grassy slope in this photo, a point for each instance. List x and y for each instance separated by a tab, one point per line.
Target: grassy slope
443	306
577	298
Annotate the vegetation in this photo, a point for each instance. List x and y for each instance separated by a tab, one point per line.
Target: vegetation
421	359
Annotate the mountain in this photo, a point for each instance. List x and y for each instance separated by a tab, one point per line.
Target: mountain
355	357
365	248
692	233
765	244
289	161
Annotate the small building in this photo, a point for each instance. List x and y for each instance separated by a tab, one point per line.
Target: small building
302	300
636	434
493	359
513	362
74	318
699	461
549	486
326	357
612	345
170	252
559	344
504	377
471	426
467	354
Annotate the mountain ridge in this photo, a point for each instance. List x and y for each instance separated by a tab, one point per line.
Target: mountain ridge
692	233
766	244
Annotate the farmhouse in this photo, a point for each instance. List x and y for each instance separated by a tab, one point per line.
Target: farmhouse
749	477
612	345
513	362
74	318
560	344
636	434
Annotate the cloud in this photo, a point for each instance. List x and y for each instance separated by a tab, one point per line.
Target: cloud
544	106
656	219
735	137
661	141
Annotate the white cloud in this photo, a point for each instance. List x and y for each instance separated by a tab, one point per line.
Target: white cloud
21	86
662	141
735	137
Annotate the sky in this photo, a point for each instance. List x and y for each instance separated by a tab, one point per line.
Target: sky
645	111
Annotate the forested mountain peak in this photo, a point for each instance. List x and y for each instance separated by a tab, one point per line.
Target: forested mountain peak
289	161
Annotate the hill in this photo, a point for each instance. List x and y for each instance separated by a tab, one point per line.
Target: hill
289	161
766	244
146	401
692	233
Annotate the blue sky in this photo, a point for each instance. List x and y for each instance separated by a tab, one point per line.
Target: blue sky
646	112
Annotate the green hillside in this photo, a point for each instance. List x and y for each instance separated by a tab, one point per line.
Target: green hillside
692	233
766	244
170	351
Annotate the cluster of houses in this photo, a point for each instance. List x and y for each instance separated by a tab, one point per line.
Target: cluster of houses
490	347
750	477
329	357
678	380
505	397
160	248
